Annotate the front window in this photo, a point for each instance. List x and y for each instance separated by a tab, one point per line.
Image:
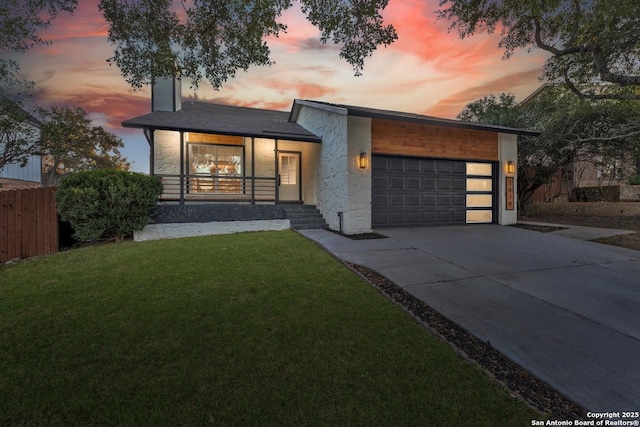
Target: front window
215	168
216	160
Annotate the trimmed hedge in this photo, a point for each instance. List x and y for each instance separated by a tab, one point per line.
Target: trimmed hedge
102	204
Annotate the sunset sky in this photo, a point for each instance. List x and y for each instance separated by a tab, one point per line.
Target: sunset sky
427	71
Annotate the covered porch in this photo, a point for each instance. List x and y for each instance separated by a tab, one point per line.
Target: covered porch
221	168
225	154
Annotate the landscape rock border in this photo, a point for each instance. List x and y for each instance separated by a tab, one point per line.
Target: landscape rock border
519	382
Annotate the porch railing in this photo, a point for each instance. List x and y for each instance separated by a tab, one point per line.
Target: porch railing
219	188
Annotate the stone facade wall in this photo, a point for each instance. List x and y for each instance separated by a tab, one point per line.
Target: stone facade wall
587	174
629	192
177	230
265	157
332	177
357	218
166	156
192	213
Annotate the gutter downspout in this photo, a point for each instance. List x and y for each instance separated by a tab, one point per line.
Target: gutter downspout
277	194
253	170
182	181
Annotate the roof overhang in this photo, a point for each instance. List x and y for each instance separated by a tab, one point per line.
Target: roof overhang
225	120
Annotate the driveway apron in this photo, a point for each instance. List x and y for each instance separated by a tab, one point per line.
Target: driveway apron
566	310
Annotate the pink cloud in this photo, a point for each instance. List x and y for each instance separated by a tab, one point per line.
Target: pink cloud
115	106
85	22
421	34
452	105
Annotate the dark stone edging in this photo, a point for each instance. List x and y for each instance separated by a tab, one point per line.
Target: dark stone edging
207	212
359	236
521	383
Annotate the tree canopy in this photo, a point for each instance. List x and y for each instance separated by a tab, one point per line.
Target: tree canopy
18	134
212	39
70	143
602	132
20	24
590	41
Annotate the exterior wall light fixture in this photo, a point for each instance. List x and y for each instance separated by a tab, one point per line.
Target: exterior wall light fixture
511	167
363	160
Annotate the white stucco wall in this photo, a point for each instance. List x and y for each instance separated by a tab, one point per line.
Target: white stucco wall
310	152
265	157
265	162
341	187
357	217
166	153
508	151
332	178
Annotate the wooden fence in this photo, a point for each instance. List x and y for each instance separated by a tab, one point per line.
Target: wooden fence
28	223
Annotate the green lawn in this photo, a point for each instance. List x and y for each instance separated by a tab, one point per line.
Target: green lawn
247	329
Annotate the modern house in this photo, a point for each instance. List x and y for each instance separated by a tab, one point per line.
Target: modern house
363	168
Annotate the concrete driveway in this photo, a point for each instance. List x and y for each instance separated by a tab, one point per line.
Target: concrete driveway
567	310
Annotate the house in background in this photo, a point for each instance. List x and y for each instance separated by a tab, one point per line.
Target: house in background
16	176
228	168
592	172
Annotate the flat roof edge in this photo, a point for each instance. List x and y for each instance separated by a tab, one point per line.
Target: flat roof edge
444	122
321	106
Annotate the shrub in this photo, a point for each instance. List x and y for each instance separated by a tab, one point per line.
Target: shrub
634	179
107	203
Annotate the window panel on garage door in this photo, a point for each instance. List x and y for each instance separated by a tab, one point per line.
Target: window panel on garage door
479	198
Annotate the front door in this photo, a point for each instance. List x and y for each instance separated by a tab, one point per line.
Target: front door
289	177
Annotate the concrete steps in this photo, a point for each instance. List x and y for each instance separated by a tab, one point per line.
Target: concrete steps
304	217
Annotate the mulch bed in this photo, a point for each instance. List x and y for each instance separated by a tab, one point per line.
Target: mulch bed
629	241
539	228
361	236
519	382
619	222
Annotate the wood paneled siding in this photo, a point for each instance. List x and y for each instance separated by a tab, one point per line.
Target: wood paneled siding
413	139
208	138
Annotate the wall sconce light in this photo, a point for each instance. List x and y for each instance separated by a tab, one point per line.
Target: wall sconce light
511	167
363	161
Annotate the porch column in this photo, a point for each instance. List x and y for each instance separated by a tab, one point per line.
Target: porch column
253	170
149	135
277	177
182	180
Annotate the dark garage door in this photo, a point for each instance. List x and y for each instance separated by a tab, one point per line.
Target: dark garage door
415	191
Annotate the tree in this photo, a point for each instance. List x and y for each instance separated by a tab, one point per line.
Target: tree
69	143
20	23
603	133
18	134
538	158
590	41
502	111
572	130
212	39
